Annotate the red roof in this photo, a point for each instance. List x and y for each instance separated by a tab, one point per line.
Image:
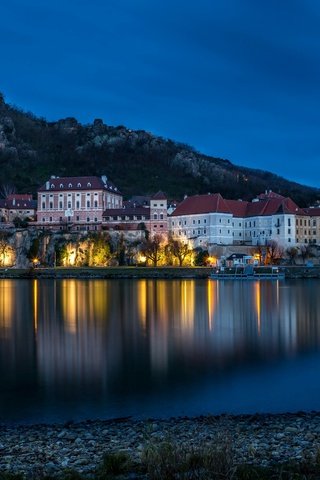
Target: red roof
129	211
312	211
269	194
237	207
273	206
78	183
19	196
198	204
266	206
159	196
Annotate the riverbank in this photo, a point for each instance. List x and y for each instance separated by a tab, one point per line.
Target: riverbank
259	440
291	272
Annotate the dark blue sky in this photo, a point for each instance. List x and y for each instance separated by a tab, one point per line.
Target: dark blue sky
239	79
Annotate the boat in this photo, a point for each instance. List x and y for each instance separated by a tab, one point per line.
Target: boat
247	272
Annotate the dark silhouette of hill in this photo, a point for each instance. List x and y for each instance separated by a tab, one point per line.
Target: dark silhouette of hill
32	149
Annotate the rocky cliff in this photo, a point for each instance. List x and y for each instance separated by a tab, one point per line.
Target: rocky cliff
32	149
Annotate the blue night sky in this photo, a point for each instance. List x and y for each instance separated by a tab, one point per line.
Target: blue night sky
238	79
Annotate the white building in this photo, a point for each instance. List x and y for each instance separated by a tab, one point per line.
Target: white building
210	219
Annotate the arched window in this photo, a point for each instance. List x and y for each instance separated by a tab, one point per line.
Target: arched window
79	185
61	185
70	185
88	184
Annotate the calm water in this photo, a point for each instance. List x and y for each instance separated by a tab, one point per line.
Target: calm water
74	349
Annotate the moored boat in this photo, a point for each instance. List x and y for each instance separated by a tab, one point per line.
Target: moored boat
248	272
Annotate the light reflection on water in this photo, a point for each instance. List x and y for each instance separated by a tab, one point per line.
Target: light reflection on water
72	349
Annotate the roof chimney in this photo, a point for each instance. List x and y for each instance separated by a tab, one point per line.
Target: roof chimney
104	178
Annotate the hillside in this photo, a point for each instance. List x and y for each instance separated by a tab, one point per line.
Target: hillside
32	149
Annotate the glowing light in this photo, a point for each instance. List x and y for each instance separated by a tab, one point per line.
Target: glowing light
35	305
258	304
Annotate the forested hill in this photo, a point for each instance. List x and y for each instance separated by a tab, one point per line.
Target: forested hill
32	149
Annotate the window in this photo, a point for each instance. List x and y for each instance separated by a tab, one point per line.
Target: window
50	205
173	224
70	185
60	205
60	219
161	204
289	240
278	231
289	222
61	185
43	205
50	219
79	185
96	203
161	218
95	219
205	231
77	218
88	219
155	217
199	231
43	219
161	226
88	184
77	204
69	204
88	203
289	231
199	221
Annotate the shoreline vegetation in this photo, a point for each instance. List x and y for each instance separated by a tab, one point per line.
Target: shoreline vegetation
291	272
240	447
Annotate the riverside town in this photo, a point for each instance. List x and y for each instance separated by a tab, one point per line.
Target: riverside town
79	221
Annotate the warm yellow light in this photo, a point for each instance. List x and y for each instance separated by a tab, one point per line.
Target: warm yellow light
212	261
142	259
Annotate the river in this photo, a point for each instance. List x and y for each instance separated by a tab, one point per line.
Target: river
79	349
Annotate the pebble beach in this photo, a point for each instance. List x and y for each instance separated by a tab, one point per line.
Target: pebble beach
37	450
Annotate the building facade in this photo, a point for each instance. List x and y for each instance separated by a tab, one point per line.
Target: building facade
76	203
139	215
17	206
210	219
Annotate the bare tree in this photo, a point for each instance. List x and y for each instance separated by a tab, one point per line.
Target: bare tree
274	253
5	249
292	253
7	189
260	252
178	249
152	249
306	251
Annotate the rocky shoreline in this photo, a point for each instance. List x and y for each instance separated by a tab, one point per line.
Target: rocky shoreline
38	450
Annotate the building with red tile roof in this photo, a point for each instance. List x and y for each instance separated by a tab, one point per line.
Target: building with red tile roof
139	214
210	219
76	203
17	205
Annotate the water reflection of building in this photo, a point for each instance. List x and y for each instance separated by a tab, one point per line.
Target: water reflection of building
118	334
17	340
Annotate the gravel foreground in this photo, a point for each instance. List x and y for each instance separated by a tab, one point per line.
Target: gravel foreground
38	450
